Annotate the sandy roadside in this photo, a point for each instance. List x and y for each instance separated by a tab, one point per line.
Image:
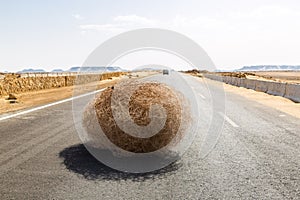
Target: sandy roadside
280	103
292	77
36	98
42	97
280	76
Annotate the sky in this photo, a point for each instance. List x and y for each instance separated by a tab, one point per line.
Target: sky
62	33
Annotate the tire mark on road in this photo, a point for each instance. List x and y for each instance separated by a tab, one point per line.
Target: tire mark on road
19	150
22	137
41	143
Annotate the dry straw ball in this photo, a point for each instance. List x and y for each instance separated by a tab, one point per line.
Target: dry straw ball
140	101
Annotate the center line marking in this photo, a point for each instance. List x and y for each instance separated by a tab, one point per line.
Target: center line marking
48	105
203	97
229	120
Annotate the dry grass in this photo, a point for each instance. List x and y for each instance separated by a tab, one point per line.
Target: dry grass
144	96
277	76
285	76
41	97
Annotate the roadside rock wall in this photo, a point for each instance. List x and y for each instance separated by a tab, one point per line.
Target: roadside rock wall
289	91
15	83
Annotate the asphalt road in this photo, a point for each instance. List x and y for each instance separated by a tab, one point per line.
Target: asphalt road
257	156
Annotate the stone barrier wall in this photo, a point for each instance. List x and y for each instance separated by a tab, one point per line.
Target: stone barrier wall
290	91
15	83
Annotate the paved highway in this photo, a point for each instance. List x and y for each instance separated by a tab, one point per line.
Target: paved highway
257	156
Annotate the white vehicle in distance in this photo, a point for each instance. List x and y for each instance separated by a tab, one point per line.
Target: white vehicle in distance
165	72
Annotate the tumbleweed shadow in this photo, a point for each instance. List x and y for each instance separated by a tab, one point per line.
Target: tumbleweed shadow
78	160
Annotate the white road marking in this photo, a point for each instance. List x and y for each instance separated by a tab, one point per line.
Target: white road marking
203	97
229	120
48	105
282	115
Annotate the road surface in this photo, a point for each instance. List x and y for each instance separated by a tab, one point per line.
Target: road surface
257	156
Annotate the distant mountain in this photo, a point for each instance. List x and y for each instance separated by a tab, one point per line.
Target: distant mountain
31	71
95	69
57	70
269	68
224	70
76	69
147	69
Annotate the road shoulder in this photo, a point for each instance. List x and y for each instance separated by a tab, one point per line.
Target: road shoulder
279	103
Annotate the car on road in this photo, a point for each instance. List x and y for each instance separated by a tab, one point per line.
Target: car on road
165	72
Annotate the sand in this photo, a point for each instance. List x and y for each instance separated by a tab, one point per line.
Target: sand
41	97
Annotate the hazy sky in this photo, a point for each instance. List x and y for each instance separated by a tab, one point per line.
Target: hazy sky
61	34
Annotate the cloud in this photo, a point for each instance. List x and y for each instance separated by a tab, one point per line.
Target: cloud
269	22
102	27
121	23
77	16
198	22
134	19
269	11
